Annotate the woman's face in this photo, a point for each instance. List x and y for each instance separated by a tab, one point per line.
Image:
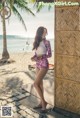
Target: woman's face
44	33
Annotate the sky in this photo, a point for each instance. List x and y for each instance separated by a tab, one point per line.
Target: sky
43	18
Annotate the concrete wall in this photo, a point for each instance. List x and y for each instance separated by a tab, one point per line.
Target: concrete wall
67	57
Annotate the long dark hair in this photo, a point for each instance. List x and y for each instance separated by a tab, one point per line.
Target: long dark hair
38	37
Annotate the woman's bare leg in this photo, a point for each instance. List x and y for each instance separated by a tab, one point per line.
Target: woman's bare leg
37	70
41	86
42	72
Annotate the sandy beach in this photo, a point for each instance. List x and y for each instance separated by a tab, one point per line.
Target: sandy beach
22	60
14	76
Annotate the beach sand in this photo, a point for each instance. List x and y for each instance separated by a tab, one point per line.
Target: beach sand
16	75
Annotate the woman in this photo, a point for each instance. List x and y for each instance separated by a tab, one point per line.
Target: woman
42	52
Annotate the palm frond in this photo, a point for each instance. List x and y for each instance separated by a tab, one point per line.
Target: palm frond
31	1
16	12
39	6
49	7
11	2
23	5
0	6
15	5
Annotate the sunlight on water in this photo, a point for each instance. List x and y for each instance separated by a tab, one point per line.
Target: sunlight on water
20	44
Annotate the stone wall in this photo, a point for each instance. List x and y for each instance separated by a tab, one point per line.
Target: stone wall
67	57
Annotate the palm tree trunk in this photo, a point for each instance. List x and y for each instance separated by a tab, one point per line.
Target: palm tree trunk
5	54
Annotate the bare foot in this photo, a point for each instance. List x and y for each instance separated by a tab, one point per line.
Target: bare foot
44	104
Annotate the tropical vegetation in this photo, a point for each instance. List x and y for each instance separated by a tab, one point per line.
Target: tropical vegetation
15	6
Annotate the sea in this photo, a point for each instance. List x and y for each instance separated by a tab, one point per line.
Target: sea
20	44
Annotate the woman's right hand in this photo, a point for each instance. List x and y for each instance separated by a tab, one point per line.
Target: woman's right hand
32	59
40	57
36	58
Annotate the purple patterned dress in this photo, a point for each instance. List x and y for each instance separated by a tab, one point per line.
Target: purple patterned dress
43	61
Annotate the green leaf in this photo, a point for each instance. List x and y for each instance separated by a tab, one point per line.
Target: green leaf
19	17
